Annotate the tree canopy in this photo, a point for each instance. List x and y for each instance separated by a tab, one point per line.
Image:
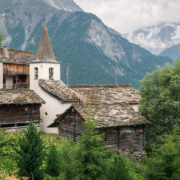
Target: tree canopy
0	39
160	103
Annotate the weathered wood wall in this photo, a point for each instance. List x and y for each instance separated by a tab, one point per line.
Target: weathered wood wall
15	69
123	138
71	126
19	113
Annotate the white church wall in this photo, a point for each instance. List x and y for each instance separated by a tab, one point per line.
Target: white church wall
53	106
43	70
1	75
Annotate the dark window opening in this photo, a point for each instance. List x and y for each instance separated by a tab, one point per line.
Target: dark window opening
36	73
7	125
51	73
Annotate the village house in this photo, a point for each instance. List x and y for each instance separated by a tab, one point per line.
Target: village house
115	111
18	104
32	90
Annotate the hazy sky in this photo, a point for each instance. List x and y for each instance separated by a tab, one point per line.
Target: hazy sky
128	15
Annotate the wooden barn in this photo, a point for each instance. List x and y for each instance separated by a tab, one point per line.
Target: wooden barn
18	107
114	109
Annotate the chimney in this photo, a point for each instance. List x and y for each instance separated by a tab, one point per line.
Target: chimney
5	52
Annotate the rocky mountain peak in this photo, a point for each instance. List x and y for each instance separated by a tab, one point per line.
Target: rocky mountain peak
65	5
156	38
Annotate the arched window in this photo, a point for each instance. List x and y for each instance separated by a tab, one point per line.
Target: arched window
36	73
51	73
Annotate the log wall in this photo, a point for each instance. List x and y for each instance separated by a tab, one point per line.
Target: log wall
12	114
130	138
71	126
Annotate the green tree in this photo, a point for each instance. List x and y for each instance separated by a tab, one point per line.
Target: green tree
163	163
118	169
53	162
30	154
160	103
92	153
176	163
70	164
176	173
0	39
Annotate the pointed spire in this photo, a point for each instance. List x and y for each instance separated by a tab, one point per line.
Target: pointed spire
45	50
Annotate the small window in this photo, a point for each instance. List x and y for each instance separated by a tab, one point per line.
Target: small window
51	73
35	73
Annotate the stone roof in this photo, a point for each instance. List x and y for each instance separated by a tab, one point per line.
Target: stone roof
19	96
110	105
59	90
45	50
16	57
108	94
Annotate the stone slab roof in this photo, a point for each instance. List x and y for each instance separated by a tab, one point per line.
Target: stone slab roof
59	90
111	106
108	94
17	57
19	96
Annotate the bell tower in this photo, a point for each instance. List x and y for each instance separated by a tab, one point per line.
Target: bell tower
45	65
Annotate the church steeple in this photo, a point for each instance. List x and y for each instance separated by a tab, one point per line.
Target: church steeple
45	50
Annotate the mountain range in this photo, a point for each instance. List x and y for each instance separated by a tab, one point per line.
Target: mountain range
95	53
162	39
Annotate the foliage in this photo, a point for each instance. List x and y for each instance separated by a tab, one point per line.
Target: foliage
162	165
8	142
0	39
30	154
70	164
119	168
176	163
53	162
160	103
92	153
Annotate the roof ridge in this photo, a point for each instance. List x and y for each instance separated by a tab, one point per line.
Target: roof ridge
97	85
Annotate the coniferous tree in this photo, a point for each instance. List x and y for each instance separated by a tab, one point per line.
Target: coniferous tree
118	169
53	162
30	154
70	163
92	153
